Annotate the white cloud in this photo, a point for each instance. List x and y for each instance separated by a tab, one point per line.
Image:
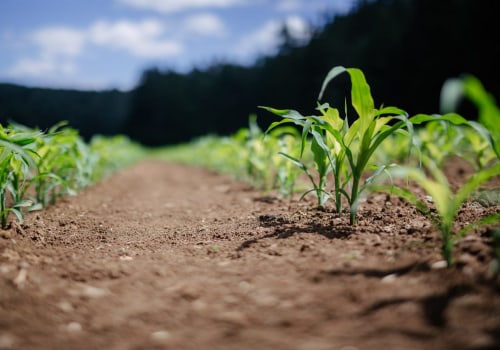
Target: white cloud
204	24
267	39
263	40
57	49
59	41
41	66
142	39
298	28
169	6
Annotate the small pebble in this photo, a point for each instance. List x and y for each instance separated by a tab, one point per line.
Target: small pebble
94	292
6	342
90	292
65	306
389	278
73	327
160	336
441	264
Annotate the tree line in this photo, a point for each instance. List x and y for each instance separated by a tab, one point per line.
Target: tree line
91	112
406	48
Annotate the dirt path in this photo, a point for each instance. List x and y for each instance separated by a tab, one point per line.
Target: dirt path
164	256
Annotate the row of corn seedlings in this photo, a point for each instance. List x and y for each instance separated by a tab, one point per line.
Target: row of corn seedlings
348	151
343	157
38	167
249	155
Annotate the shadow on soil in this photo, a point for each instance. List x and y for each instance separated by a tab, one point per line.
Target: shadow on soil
433	306
285	228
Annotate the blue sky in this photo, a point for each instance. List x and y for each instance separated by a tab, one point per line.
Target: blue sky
101	44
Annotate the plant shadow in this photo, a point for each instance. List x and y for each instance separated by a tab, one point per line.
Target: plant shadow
433	306
285	228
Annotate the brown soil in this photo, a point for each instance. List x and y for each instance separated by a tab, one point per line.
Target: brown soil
164	256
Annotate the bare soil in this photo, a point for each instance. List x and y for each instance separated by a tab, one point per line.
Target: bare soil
166	256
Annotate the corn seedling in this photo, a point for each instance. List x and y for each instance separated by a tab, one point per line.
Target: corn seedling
489	114
286	172
396	148
259	155
321	157
446	202
342	149
265	169
57	165
439	140
17	165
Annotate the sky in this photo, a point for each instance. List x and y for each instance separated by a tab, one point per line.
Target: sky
107	44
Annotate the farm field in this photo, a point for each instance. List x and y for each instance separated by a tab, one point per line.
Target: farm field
169	256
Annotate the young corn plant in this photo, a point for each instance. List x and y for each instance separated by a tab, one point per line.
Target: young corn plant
396	148
260	152
439	140
342	149
489	113
321	157
286	172
447	203
107	154
436	185
61	169
265	169
17	167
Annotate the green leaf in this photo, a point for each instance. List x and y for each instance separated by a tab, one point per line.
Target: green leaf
405	194
320	153
13	147
449	117
335	71
362	99
389	110
35	207
295	161
475	181
438	188
18	214
23	204
486	134
488	220
451	94
286	113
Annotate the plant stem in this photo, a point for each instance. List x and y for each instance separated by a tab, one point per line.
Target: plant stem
338	194
447	247
3	210
354	199
336	178
321	192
